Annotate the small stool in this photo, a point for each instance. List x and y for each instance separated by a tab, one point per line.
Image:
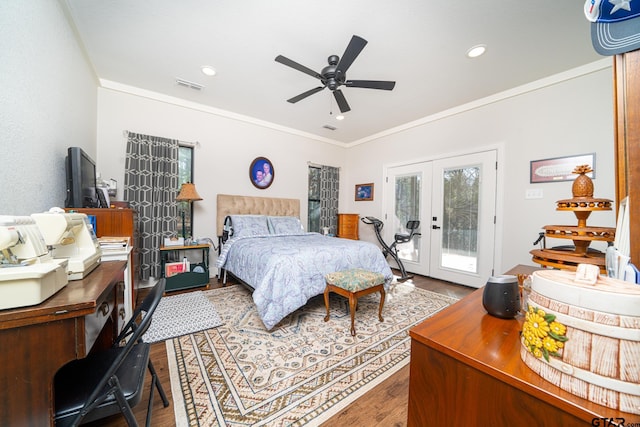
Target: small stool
353	284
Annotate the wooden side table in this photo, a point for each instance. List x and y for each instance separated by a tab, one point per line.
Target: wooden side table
197	274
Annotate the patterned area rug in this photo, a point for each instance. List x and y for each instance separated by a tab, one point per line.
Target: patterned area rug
302	372
181	314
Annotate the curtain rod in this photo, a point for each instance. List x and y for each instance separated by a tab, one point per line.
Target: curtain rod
309	163
185	143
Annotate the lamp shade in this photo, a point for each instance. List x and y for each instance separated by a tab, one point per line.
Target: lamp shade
188	193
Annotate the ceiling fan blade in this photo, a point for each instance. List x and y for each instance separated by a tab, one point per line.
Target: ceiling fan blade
350	54
371	84
342	102
289	63
305	94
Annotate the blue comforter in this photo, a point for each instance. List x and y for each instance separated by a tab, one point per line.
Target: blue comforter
286	270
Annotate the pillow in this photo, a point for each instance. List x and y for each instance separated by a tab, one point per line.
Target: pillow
249	225
285	225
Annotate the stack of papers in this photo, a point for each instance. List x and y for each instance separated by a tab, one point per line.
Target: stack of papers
113	243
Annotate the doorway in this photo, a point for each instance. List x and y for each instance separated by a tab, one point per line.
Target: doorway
454	199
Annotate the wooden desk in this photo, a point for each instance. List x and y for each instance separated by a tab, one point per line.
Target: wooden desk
466	370
36	341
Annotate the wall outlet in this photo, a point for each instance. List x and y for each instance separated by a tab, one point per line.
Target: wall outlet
533	193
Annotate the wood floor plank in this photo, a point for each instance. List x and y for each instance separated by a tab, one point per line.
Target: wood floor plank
384	405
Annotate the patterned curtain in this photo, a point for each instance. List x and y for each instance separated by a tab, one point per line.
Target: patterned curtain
329	190
151	187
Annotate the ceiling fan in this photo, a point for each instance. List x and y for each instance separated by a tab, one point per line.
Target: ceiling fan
334	75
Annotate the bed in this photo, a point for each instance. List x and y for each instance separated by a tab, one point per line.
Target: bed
267	250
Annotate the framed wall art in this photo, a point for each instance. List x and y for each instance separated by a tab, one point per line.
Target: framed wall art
261	173
560	169
364	192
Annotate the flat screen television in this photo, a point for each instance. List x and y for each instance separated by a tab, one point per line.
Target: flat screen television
81	179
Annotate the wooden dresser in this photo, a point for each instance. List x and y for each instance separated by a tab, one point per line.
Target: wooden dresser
348	226
466	370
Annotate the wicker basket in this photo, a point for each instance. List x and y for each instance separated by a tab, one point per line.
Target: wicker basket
600	361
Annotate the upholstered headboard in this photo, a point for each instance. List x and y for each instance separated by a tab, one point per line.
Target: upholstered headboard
249	205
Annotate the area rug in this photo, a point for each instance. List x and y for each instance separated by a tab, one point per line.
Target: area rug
303	371
181	314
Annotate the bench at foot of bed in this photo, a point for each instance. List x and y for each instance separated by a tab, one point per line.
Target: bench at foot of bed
353	284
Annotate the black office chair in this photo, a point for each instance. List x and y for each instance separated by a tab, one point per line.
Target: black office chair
111	381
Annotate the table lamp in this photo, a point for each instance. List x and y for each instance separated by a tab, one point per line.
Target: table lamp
188	194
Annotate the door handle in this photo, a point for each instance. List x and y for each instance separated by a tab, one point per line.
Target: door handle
435	227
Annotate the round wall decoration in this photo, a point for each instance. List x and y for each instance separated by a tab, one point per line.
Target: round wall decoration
261	172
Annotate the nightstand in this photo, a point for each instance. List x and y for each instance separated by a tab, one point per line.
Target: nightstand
185	267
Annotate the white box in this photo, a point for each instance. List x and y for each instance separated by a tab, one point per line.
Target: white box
174	241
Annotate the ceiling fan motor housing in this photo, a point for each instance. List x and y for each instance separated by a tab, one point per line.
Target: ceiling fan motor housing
329	73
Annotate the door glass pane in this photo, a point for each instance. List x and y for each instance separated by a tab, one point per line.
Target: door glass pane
460	219
407	208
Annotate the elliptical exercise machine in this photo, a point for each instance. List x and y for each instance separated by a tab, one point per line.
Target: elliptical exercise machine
392	250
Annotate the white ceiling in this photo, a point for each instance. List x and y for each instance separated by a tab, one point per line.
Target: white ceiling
420	44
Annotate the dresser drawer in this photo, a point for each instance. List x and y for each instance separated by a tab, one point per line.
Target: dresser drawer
93	323
347	229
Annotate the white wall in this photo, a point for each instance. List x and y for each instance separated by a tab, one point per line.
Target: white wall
47	103
568	115
223	156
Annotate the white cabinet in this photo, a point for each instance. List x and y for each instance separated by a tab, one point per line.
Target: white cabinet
123	255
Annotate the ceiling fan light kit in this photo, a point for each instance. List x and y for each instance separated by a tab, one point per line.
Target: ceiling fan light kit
334	75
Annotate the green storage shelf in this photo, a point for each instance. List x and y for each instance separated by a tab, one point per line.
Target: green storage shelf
190	279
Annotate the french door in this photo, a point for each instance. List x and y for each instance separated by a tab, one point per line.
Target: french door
454	199
408	192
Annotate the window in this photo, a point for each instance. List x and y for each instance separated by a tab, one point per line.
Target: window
185	174
324	183
314	199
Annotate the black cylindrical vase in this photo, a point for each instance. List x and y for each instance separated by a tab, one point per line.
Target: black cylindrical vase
501	297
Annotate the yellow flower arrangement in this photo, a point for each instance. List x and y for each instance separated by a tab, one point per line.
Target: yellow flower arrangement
542	335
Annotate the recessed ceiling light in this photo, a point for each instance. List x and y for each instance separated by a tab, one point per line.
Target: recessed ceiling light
339	117
208	70
476	50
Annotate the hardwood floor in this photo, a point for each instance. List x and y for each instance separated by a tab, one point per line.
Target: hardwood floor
384	405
